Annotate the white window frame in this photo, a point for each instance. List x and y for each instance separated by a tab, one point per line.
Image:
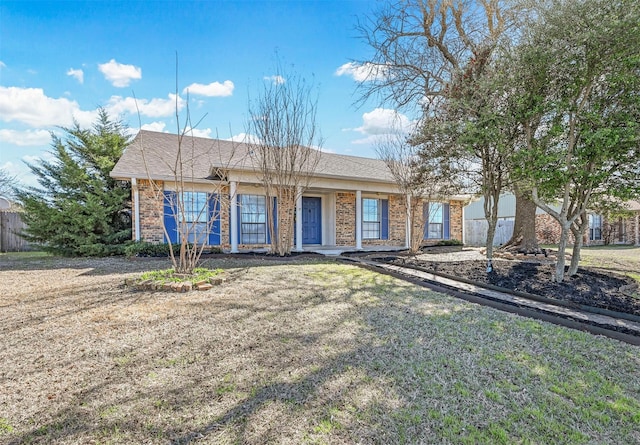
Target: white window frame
195	214
371	229
431	234
595	227
256	220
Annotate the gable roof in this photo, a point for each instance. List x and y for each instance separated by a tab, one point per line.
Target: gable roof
153	155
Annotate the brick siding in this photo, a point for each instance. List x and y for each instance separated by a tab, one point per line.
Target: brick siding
151	211
152	207
345	219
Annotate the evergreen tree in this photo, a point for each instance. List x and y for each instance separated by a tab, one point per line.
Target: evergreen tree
78	209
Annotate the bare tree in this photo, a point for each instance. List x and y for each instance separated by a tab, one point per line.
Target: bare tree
287	151
416	181
191	209
190	215
425	53
420	45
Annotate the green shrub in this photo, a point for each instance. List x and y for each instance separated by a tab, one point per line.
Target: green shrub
147	249
449	242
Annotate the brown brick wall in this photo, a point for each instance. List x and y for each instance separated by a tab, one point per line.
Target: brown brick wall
286	212
397	220
619	230
151	211
151	214
345	219
548	229
455	220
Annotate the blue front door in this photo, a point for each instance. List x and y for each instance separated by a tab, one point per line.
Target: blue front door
311	221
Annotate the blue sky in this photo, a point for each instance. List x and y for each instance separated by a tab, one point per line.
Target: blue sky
61	60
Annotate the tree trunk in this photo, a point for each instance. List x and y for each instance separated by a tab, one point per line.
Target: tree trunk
491	233
578	229
524	238
491	200
560	260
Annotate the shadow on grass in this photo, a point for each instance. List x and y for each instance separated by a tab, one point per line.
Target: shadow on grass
348	356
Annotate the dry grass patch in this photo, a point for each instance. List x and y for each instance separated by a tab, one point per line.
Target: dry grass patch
621	259
293	352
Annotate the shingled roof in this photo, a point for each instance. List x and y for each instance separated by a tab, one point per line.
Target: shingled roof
153	155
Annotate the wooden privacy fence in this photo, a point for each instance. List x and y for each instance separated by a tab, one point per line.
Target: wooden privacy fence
476	232
11	225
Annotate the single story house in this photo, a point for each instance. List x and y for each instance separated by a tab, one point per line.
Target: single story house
351	203
601	229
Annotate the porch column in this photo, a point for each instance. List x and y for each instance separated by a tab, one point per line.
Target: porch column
638	229
464	232
408	228
136	208
359	220
233	230
299	220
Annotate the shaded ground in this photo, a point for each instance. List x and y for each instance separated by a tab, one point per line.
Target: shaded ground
296	352
589	287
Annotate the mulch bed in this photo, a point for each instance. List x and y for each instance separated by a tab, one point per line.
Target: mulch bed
589	287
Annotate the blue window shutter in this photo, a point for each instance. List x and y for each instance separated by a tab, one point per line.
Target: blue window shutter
239	219
170	216
384	219
445	221
275	220
425	215
214	214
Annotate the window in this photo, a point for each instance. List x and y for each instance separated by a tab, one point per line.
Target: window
253	219
370	218
435	221
195	215
595	227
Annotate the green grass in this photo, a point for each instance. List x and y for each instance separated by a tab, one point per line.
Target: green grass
25	255
618	258
308	353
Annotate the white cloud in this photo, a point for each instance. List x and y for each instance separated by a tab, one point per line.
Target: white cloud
25	138
44	156
2	64
32	107
244	137
22	172
199	133
77	74
155	126
120	75
362	73
151	108
277	80
382	121
214	89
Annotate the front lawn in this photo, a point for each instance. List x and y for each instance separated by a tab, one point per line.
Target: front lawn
294	352
621	259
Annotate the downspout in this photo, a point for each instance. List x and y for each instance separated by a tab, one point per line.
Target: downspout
358	220
408	228
638	229
298	227
233	208
136	208
464	232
